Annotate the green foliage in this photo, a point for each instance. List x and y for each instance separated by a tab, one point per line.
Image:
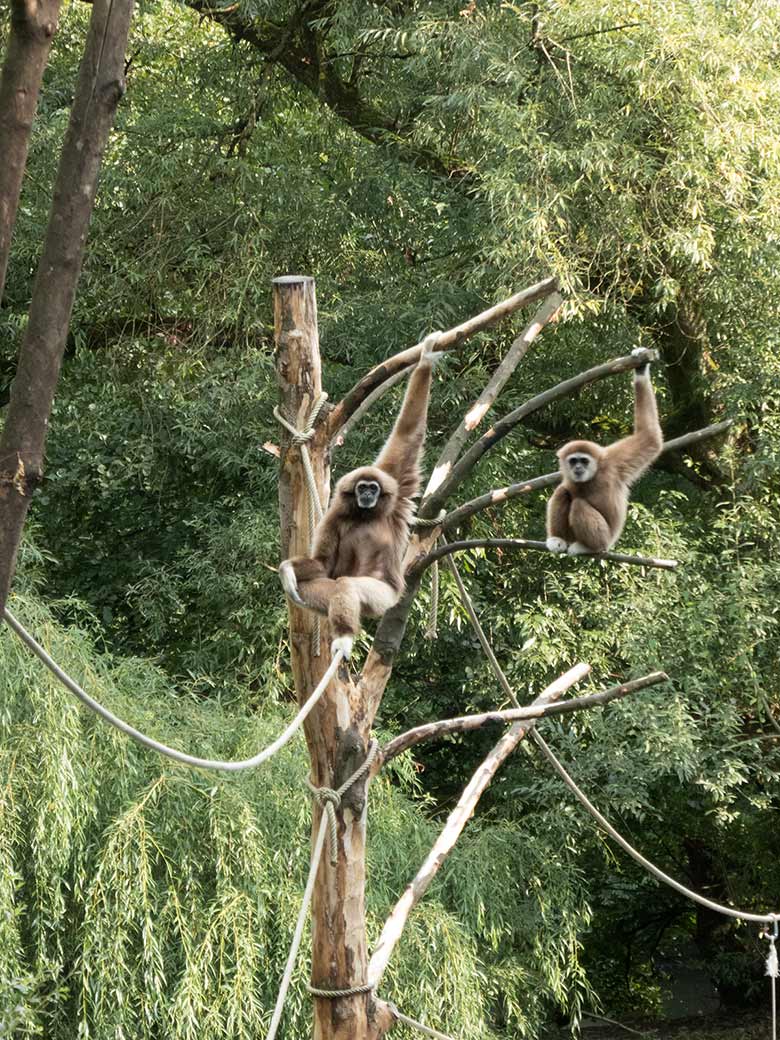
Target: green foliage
640	164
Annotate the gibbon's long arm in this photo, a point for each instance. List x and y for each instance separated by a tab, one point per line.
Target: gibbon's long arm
400	457
632	455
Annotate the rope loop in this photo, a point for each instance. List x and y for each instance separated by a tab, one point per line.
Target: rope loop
305	435
334	994
329	800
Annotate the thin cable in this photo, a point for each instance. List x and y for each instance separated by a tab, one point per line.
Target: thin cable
727	911
583	798
150	742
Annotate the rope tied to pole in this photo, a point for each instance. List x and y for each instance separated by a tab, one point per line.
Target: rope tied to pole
301	439
329	799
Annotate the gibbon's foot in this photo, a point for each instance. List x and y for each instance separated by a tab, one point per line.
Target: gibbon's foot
290	583
642	370
556	545
578	549
344	644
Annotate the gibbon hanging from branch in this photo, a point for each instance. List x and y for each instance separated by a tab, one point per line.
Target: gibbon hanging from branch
355	569
587	510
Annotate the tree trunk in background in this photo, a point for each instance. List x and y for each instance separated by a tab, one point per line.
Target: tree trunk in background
33	25
100	87
338	730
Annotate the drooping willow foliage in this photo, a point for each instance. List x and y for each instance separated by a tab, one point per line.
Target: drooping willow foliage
141	899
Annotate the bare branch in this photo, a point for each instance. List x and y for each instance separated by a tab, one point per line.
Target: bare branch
477	412
369	403
498	496
463	467
467	723
450	340
522	544
456	821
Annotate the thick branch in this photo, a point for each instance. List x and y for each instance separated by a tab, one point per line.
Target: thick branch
522	544
32	30
450	340
467	723
456	821
100	87
463	467
501	495
495	385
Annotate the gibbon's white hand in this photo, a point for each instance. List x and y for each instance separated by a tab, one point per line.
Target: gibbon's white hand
344	644
290	583
428	353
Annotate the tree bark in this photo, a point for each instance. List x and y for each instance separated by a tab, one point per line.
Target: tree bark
338	730
100	87
33	25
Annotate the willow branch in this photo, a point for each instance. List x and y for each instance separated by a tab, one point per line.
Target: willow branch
463	467
523	544
467	723
456	821
474	416
450	340
498	496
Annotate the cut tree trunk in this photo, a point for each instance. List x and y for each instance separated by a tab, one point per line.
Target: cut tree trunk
338	730
33	25
100	87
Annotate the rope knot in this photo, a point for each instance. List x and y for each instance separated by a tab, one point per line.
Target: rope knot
330	800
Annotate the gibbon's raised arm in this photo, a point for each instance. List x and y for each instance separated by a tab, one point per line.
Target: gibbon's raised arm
400	456
632	455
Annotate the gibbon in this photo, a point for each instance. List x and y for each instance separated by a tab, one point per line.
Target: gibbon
355	569
587	511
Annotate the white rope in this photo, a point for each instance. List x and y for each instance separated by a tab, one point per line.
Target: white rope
719	908
327	821
772	971
302	438
417	1025
150	742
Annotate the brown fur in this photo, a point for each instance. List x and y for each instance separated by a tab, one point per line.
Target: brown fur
593	512
356	568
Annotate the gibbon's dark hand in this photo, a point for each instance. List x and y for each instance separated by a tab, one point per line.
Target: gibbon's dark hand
641	370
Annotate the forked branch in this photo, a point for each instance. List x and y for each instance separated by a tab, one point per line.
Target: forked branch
457	820
467	723
493	388
523	544
449	341
498	496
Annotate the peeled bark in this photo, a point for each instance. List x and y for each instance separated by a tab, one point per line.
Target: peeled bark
100	88
33	25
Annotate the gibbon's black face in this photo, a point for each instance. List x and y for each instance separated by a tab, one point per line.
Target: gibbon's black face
367	493
581	466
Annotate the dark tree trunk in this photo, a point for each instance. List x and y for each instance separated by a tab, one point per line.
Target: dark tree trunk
100	87
33	25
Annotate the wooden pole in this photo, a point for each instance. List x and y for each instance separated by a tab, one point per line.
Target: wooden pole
338	730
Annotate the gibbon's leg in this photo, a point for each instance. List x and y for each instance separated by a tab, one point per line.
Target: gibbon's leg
353	599
633	455
400	456
558	531
590	529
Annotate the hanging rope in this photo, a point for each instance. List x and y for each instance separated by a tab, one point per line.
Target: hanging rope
772	971
155	745
744	915
327	823
432	628
301	438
